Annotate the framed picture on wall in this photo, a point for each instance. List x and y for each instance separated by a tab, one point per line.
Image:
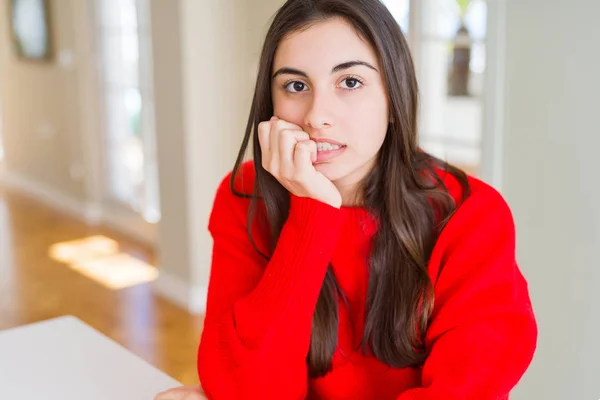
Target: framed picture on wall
30	29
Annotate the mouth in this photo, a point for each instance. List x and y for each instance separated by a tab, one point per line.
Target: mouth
327	151
327	146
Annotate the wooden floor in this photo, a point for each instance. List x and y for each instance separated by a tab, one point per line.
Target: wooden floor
33	287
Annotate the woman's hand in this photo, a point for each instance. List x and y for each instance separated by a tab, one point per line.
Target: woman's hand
288	154
183	393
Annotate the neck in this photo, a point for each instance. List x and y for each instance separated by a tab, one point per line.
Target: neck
350	186
350	195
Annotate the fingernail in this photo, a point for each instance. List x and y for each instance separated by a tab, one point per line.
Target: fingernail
274	118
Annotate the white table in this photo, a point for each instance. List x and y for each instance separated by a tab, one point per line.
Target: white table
65	359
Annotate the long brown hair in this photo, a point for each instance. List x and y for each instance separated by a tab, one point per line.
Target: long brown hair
403	192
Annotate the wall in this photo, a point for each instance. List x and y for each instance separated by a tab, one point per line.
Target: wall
204	80
551	141
174	246
41	106
52	122
205	56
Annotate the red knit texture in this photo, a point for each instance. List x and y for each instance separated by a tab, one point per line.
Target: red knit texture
482	333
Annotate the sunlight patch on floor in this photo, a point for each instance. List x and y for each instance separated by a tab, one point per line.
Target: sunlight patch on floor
99	258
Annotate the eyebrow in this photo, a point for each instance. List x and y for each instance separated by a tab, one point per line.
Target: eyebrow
337	68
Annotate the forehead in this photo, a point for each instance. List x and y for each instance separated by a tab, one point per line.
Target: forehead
322	46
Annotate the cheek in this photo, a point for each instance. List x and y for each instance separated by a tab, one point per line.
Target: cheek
369	123
289	110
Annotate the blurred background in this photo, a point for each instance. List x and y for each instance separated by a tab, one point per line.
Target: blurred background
118	119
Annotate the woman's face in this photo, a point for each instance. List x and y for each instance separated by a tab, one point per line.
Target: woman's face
327	80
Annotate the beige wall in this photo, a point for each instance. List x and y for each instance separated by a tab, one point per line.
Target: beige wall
550	169
204	63
42	123
205	56
173	240
52	122
211	63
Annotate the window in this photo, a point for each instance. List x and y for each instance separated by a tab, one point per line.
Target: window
400	9
448	39
130	159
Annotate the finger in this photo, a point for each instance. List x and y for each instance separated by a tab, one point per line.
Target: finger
278	125
276	128
193	396
287	142
283	124
166	395
199	389
179	393
304	154
264	139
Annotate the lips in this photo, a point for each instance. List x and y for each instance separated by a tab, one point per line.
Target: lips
328	153
325	140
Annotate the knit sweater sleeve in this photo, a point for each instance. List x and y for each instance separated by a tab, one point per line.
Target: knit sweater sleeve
482	334
258	320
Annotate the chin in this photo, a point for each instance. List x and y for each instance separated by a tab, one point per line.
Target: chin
331	171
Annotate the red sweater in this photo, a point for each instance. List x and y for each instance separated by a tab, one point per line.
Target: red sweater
481	337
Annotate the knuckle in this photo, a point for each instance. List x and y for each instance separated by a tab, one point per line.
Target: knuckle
287	141
285	134
280	124
302	147
263	128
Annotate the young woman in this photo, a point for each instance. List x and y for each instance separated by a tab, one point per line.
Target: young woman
348	263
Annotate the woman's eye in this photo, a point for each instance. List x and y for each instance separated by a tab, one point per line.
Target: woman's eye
295	87
351	83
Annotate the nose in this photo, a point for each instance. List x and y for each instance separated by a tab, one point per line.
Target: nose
320	113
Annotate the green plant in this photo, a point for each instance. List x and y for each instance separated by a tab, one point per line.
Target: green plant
463	5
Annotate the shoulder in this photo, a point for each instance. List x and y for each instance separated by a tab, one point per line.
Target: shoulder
243	183
232	198
477	200
479	239
487	204
482	223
